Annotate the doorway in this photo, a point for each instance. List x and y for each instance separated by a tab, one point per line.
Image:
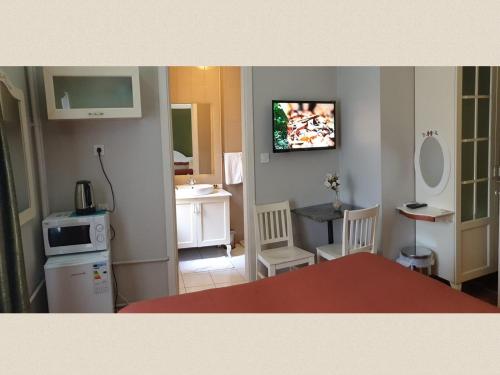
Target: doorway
214	104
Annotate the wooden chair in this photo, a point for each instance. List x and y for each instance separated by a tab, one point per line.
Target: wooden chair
359	234
273	226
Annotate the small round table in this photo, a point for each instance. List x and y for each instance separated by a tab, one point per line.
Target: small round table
417	257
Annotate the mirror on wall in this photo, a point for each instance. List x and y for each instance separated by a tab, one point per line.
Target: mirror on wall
192	138
432	163
13	119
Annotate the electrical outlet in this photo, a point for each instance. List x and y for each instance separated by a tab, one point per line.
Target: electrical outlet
98	146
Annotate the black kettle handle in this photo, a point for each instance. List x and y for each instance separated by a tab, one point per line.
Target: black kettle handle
88	194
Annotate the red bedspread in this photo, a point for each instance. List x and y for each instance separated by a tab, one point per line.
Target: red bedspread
352	284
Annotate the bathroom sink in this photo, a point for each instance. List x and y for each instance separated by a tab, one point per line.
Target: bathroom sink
193	190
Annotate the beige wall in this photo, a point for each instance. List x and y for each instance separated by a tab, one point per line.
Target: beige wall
204	144
231	139
200	85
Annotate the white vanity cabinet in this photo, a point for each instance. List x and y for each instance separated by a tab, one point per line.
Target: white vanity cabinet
186	224
203	220
73	92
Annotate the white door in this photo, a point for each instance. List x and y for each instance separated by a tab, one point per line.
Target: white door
214	223
186	225
477	202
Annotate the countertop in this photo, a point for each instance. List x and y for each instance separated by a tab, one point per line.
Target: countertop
217	193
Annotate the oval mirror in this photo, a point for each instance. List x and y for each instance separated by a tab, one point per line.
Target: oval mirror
432	163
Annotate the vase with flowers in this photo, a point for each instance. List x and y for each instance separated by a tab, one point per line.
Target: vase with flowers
332	182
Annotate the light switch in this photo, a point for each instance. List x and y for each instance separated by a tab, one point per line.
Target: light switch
264	157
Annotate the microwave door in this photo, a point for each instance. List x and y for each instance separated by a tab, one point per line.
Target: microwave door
70	237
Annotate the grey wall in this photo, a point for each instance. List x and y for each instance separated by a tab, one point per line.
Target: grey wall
397	107
296	176
31	231
359	92
133	160
377	147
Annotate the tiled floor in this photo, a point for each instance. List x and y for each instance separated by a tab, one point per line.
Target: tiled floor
207	268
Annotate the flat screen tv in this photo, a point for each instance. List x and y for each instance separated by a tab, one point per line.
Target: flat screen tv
304	125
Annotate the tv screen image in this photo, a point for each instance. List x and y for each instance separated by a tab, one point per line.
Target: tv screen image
303	125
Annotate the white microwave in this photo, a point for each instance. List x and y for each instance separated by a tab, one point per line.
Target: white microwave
68	233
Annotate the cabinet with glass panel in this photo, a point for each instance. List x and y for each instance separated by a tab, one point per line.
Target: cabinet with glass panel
477	230
92	92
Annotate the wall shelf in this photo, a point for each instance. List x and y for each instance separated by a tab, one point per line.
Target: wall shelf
428	213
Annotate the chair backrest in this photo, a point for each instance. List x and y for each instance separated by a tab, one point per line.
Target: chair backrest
360	228
273	224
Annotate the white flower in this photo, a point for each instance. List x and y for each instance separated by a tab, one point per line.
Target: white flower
332	181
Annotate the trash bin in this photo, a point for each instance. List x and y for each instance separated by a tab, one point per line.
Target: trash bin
417	257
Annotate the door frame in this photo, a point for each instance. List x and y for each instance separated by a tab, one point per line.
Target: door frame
169	183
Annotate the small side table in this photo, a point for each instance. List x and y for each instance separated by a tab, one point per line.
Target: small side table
417	257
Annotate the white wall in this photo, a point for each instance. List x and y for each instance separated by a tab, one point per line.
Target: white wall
436	108
31	232
296	176
133	160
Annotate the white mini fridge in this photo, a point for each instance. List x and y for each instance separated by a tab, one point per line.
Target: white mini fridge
80	283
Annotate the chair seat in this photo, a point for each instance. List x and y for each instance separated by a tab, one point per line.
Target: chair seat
284	255
329	252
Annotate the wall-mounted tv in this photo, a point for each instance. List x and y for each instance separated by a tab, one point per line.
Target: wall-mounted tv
304	125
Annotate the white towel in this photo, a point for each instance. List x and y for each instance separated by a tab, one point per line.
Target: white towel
233	168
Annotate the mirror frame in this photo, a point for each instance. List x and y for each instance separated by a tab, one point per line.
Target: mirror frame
216	133
216	119
29	213
446	162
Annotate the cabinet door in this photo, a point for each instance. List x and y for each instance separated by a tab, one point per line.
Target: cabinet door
476	199
92	92
213	223
186	225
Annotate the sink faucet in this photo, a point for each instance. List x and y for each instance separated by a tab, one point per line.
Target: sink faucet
191	180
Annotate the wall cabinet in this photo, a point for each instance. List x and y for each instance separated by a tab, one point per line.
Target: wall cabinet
92	92
203	221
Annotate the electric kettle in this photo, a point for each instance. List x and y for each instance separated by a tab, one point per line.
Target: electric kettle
84	198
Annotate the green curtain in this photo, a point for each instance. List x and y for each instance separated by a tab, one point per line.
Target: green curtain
13	284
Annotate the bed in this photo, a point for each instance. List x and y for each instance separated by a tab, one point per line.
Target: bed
182	164
358	283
